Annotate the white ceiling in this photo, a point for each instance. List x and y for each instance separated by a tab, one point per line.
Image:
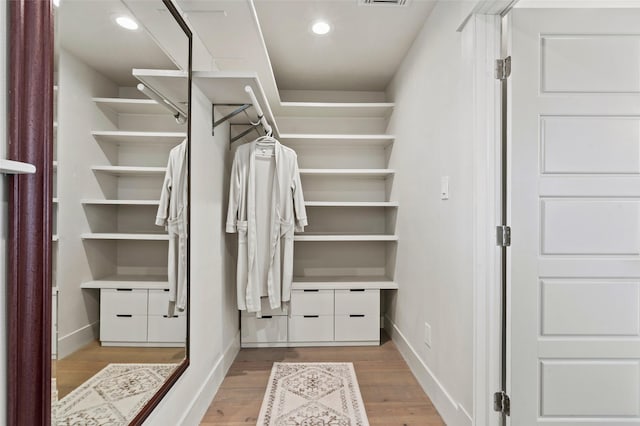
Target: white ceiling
362	52
87	29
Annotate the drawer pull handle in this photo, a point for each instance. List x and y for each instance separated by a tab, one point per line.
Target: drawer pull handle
267	316
166	289
124	289
170	316
124	316
357	289
311	316
356	316
311	291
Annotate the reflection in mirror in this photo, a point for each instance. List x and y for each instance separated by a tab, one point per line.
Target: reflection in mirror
121	95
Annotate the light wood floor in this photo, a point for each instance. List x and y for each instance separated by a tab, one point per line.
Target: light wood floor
392	396
83	364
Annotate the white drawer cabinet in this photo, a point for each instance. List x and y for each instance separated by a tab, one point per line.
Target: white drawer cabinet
318	317
311	328
268	329
311	302
123	301
357	301
357	315
138	317
357	328
164	329
158	301
123	328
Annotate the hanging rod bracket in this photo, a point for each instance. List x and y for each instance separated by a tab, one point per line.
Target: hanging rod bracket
243	133
215	123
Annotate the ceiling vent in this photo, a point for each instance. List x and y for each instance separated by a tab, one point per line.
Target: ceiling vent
383	2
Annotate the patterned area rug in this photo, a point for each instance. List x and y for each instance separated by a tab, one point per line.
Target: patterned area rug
313	394
113	396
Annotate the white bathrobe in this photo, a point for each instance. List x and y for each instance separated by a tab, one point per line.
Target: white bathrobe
261	269
172	214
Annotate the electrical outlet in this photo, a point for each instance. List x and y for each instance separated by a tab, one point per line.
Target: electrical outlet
427	334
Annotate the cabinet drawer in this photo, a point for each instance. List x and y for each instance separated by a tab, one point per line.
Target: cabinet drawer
125	301
158	302
311	302
167	329
265	309
263	330
358	302
123	328
311	328
357	328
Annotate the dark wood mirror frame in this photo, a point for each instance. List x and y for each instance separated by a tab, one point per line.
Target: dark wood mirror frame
30	123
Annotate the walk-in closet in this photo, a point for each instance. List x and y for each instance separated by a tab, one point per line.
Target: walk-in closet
320	212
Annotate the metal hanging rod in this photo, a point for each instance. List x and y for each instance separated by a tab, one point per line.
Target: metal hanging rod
178	113
256	105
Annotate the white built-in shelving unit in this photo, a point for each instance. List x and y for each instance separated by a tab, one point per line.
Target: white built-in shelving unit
346	255
115	199
342	154
345	258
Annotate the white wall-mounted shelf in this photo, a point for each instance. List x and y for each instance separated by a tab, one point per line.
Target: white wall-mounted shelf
10	167
127	137
123	236
121	202
173	84
55	200
227	87
351	204
336	109
55	238
342	237
129	281
341	139
349	172
129	170
132	106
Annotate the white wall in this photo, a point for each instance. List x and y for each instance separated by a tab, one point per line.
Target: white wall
214	317
79	261
3	211
433	125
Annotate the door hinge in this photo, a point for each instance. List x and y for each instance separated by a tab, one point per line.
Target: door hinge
503	236
503	68
502	403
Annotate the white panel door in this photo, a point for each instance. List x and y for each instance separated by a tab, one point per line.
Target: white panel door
574	277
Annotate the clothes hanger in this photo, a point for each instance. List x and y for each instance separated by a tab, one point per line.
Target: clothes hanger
266	140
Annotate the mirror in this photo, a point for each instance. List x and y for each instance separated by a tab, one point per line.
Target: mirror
120	208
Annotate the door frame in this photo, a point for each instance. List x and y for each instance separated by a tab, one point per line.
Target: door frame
489	172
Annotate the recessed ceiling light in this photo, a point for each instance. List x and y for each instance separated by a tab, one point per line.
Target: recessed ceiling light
126	22
320	28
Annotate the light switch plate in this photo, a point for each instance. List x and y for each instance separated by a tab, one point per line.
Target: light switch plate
444	188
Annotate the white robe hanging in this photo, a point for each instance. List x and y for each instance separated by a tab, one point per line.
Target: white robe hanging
172	214
285	207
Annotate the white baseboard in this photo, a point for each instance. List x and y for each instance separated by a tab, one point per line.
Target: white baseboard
198	406
451	411
69	343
